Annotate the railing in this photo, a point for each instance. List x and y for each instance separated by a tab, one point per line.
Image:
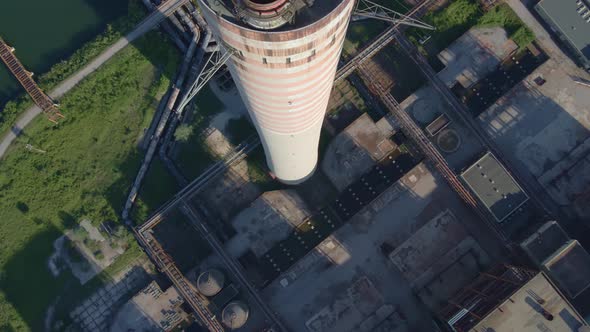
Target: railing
430	152
378	44
25	79
166	264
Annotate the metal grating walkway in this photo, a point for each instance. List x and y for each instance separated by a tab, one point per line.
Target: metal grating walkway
26	80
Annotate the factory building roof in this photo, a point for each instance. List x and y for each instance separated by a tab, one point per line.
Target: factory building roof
545	241
507	298
572	19
494	187
537	306
570	267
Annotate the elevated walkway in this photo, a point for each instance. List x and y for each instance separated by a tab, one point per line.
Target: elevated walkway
26	80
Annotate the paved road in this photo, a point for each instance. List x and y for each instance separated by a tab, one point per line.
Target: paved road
144	26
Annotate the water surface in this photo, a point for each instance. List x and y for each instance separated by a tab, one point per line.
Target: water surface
47	31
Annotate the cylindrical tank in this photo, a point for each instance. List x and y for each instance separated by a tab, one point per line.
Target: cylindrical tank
286	55
235	315
210	282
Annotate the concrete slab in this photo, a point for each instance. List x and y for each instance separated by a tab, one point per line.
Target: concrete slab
424	106
317	290
354	151
469	58
269	219
451	273
150	309
545	132
521	312
430	243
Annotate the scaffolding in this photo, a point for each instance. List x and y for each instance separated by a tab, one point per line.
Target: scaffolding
475	301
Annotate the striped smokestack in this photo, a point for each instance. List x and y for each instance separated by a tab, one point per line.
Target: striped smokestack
284	68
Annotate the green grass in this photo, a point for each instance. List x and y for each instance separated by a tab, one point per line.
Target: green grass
363	32
158	187
75	62
360	34
502	15
454	20
194	156
91	160
258	171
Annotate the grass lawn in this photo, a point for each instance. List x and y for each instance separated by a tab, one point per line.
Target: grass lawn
455	19
361	33
90	161
364	31
193	155
76	61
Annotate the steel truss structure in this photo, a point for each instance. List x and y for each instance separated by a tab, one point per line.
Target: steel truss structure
369	9
216	60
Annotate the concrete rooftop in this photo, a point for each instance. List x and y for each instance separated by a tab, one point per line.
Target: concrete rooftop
348	283
571	20
545	132
150	310
570	267
486	47
522	312
494	186
269	219
355	150
544	242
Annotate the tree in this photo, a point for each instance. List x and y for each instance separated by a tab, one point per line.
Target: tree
183	133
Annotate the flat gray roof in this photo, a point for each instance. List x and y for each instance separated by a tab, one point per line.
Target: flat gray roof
545	241
565	16
570	267
494	186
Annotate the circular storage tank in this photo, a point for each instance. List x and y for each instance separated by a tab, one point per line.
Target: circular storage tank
235	315
210	282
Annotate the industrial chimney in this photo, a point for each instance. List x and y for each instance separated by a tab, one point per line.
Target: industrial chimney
286	54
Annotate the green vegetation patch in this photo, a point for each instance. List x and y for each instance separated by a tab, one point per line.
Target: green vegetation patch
75	62
360	34
239	130
455	19
193	155
89	162
502	15
157	188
